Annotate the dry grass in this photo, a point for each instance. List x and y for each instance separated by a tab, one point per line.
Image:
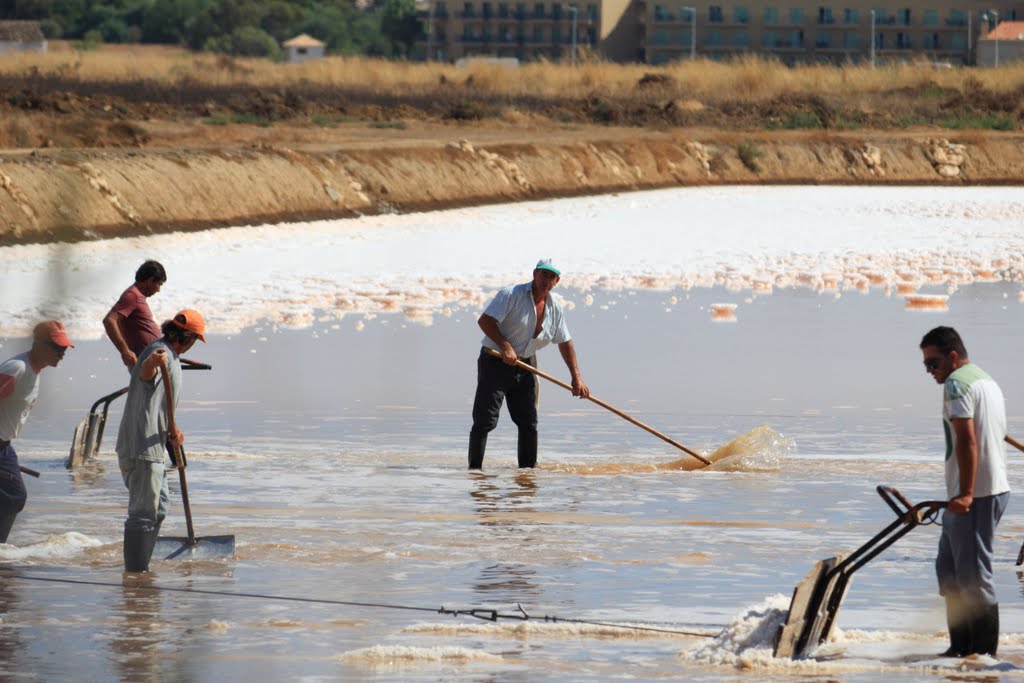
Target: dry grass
746	79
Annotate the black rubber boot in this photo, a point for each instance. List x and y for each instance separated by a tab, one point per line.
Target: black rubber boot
477	446
527	448
138	548
986	630
6	522
961	640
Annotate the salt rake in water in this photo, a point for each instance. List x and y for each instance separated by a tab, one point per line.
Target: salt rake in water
190	547
816	599
624	416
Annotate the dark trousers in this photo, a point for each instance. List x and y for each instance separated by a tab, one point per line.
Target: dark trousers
12	489
496	382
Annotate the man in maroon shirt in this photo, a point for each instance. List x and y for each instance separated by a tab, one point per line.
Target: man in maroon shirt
130	324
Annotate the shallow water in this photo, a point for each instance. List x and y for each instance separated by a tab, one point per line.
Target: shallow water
335	453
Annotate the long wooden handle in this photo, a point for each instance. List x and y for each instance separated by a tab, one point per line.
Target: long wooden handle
179	455
606	406
1013	442
29	471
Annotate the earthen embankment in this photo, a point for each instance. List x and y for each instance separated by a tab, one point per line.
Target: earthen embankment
58	195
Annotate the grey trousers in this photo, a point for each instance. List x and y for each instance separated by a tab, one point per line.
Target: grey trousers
964	563
148	495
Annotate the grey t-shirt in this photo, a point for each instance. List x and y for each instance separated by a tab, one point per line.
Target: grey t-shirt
143	432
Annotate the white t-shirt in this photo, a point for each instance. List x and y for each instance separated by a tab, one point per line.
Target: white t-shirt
970	392
516	313
19	388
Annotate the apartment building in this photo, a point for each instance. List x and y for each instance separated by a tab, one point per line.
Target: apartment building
661	31
528	30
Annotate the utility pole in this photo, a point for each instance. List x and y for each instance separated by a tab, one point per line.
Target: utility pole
872	12
693	31
575	11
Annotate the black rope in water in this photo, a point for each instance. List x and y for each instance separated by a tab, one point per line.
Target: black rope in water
475	612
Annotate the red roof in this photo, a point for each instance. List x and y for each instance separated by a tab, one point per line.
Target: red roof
1007	30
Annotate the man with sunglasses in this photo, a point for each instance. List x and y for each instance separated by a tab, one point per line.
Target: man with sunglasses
517	322
974	418
145	433
129	323
19	389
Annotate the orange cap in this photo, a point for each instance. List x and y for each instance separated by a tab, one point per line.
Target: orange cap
191	321
52	330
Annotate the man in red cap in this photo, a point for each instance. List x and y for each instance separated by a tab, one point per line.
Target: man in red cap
145	433
130	324
19	389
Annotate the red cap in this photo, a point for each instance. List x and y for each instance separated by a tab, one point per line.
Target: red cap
52	330
192	321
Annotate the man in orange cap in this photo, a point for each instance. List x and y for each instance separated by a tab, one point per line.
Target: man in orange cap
19	389
144	435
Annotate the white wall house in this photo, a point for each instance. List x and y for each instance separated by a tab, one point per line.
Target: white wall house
21	36
1002	45
302	48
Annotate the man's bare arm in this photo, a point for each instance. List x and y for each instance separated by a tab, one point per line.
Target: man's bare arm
112	324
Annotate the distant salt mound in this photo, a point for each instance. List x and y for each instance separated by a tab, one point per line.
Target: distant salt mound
55	547
402	656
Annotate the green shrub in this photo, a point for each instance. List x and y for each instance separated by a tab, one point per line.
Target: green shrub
749	153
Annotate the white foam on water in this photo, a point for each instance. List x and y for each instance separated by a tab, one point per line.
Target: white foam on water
55	547
293	275
404	655
747	643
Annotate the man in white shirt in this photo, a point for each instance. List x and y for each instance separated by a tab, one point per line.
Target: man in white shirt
19	389
517	322
974	420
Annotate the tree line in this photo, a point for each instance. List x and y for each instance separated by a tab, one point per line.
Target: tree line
254	28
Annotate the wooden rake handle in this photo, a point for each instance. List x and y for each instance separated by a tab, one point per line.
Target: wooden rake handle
179	455
606	406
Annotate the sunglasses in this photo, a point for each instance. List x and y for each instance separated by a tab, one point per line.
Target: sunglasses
931	364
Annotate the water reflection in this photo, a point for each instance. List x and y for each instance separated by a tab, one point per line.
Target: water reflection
138	638
10	642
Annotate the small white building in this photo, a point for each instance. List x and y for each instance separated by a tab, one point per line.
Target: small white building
302	48
21	36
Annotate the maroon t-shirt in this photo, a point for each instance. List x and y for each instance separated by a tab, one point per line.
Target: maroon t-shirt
136	320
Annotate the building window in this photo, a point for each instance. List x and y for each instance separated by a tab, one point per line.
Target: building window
556	11
660	37
796	15
771	15
592	13
903	17
958	41
520	10
660	14
684	37
850	16
931	17
769	39
903	41
538	10
851	40
881	18
825	15
714	37
467	9
715	14
931	41
741	14
796	39
502	9
538	34
956	18
742	38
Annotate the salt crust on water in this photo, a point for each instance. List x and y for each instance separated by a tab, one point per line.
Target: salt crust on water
421	265
747	643
529	629
55	546
402	655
